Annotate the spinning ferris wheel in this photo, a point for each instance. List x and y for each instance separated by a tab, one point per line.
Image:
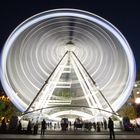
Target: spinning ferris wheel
67	62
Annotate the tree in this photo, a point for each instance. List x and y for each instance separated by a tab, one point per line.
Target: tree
128	111
65	93
2	105
7	109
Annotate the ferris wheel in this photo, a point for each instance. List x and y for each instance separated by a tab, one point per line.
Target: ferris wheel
67	62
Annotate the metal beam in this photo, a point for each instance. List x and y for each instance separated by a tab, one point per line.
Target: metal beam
45	83
72	106
94	83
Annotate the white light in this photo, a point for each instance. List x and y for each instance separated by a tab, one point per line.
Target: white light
135	85
70	47
98	87
137	101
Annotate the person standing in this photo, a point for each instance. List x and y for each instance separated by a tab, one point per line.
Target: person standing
3	126
43	127
35	128
111	128
29	127
19	127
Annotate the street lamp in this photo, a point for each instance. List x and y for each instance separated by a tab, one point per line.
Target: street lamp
135	85
137	100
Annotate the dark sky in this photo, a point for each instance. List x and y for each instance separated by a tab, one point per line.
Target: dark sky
125	15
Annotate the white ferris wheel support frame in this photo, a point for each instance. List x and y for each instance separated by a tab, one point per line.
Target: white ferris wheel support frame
44	95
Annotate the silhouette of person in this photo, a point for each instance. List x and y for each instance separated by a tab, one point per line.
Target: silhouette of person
98	127
3	126
105	124
35	128
29	127
43	127
111	128
19	127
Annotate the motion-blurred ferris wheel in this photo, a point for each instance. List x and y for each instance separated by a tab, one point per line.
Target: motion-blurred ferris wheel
67	63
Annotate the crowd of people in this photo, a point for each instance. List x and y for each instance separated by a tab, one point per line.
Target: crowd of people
33	127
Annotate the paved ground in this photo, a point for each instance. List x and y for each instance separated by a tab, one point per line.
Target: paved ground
76	135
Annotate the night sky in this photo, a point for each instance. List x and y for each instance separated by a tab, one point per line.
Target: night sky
124	15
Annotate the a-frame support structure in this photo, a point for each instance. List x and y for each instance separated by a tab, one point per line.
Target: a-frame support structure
69	61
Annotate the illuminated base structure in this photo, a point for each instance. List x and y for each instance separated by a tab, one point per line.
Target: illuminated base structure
67	63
